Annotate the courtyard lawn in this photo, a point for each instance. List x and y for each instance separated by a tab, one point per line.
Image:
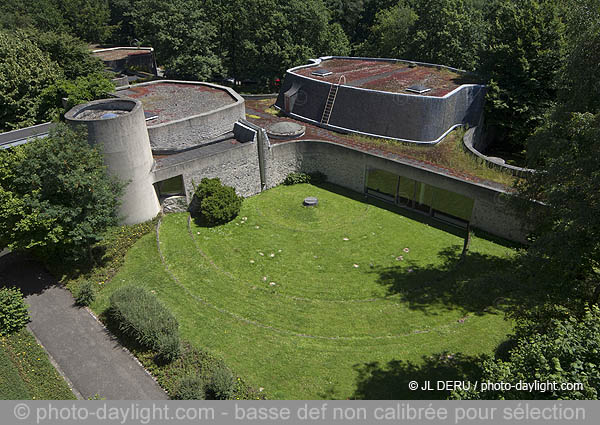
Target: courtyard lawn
344	300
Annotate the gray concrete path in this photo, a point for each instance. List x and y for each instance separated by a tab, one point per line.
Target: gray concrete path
85	352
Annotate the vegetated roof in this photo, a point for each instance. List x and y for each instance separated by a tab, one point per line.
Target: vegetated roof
390	76
170	101
448	157
116	54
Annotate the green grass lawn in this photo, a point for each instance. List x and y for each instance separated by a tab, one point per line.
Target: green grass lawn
26	372
346	300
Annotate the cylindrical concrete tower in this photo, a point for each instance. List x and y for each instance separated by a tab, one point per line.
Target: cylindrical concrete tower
119	126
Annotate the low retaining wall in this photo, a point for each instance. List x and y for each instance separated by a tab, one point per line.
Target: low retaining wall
469	145
344	166
347	167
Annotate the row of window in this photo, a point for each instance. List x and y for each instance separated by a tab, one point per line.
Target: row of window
429	199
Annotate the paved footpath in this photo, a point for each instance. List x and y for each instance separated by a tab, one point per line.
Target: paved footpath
85	352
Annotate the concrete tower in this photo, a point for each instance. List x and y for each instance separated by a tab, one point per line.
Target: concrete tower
119	126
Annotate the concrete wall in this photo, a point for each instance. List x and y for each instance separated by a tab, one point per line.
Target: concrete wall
472	145
236	166
179	135
184	134
126	152
406	117
347	167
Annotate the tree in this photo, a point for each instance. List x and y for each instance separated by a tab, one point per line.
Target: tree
390	33
182	35
261	39
87	19
569	353
69	52
81	90
56	198
448	32
565	249
521	61
120	20
579	85
43	15
24	72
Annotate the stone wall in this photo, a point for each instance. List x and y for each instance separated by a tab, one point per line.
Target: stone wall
184	134
236	166
347	167
344	166
472	145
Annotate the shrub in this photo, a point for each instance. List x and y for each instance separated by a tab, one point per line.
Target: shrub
140	315
85	294
222	383
297	178
190	387
169	348
215	203
13	311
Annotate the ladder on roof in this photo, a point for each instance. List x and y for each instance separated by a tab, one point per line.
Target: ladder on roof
331	100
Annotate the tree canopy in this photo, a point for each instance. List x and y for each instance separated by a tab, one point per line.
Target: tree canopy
567	354
25	70
56	198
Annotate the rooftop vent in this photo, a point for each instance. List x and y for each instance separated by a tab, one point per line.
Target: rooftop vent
418	88
322	72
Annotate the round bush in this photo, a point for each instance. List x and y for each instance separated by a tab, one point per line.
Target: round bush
296	178
222	383
215	203
13	311
190	388
85	294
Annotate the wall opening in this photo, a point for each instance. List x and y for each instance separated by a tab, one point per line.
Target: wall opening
439	203
170	187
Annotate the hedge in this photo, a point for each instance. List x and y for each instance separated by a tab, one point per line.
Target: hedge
141	316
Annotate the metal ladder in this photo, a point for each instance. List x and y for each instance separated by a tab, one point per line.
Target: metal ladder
331	100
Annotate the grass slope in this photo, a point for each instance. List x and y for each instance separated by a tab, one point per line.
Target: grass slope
26	372
317	303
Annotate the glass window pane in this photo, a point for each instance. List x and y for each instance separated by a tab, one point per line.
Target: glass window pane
406	191
382	182
172	186
452	203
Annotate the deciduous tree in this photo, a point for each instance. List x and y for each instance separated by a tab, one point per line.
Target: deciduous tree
56	198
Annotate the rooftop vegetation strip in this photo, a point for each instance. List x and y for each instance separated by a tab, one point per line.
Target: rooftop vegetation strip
322	61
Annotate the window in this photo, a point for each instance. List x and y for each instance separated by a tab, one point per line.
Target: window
382	184
439	203
171	187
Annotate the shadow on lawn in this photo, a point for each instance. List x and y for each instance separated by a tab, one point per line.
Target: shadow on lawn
391	381
477	283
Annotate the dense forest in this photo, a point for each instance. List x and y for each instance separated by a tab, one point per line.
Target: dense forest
540	59
528	51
